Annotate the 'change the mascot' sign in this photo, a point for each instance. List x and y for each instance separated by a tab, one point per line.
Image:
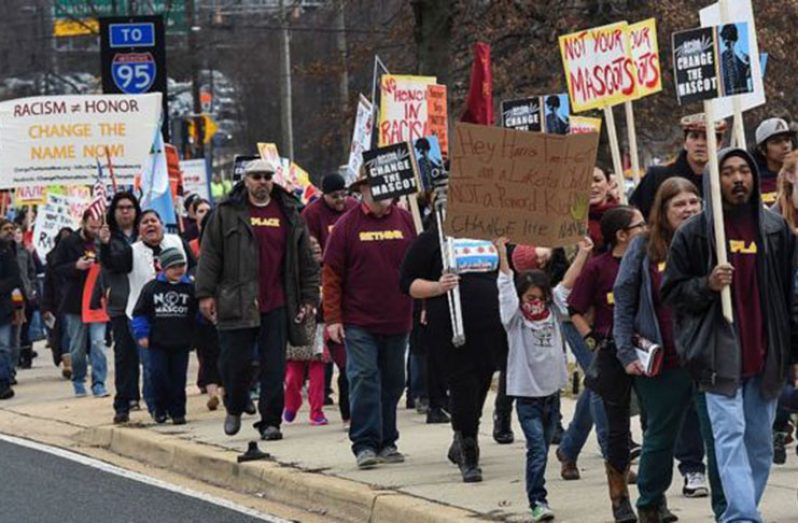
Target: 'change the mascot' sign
391	171
56	140
598	67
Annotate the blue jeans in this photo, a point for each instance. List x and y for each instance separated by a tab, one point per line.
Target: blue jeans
78	334
168	368
416	364
6	367
538	419
741	426
375	366
589	407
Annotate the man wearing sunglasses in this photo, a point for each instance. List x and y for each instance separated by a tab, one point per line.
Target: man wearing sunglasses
257	282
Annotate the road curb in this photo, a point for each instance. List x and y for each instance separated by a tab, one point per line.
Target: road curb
338	498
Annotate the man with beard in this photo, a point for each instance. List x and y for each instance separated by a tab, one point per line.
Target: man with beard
689	164
774	141
9	280
741	366
76	254
257	281
116	257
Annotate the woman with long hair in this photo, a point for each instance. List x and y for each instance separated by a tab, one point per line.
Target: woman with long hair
787	198
642	321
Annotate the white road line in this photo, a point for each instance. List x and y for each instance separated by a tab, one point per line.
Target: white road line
141	478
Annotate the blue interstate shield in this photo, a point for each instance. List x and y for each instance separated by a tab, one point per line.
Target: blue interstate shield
133	73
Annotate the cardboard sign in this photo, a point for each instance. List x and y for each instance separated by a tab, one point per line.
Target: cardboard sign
195	177
710	62
49	140
645	53
30	195
391	171
583	125
51	218
522	115
598	66
438	116
739	11
531	187
361	138
429	160
403	109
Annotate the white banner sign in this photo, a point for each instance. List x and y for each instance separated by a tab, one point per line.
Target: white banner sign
361	138
195	177
52	217
56	140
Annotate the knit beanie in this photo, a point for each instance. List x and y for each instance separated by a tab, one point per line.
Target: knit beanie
333	183
170	257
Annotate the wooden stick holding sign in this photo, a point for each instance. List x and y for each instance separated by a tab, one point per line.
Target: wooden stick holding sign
717	206
615	150
632	133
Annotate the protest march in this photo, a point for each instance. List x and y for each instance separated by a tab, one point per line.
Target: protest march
513	265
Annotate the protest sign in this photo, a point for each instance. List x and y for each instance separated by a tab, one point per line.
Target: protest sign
738	11
429	160
598	66
702	71
531	187
403	108
361	138
52	217
645	53
391	171
239	163
376	95
583	125
268	152
438	116
30	195
51	140
557	113
522	115
195	177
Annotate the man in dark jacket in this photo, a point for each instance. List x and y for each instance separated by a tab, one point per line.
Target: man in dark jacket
741	366
9	280
76	254
116	258
258	281
689	164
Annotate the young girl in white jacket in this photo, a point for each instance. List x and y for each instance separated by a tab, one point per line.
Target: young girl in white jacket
531	312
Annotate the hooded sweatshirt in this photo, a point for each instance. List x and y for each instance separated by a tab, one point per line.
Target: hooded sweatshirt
762	340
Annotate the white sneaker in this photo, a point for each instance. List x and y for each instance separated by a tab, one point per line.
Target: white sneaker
695	485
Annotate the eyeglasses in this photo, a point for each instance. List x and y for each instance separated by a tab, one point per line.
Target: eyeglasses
260	176
124	208
635	226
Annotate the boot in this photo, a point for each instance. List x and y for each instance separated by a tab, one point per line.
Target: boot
665	515
66	366
454	448
779	448
469	460
619	495
649	514
502	428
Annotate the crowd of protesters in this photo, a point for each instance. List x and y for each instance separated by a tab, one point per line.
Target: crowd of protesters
637	304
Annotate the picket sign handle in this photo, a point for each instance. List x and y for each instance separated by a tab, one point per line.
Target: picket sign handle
413	205
617	164
738	129
717	205
632	132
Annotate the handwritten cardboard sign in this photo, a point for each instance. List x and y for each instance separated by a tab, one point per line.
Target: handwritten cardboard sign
391	171
599	68
531	187
645	53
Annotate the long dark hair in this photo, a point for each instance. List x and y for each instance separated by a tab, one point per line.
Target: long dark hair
111	218
660	233
614	220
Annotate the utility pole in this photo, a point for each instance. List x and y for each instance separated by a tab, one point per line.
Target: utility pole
199	122
285	84
343	78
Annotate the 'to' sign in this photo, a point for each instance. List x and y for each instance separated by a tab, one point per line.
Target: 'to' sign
132	35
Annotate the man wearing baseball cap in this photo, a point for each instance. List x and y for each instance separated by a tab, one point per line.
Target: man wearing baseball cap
365	309
689	164
774	141
257	281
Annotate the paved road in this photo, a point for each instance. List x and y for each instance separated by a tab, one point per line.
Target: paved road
41	487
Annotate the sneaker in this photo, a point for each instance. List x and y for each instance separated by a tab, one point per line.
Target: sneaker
542	512
179	420
319	421
232	424
80	389
390	454
271	433
568	469
695	485
437	415
779	448
121	417
366	459
135	406
99	391
289	415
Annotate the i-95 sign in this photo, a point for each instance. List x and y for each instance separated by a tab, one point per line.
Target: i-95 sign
133	73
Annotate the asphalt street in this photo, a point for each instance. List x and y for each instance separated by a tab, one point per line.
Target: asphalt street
39	487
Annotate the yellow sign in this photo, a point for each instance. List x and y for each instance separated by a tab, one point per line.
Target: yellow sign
210	128
583	124
86	26
30	195
645	52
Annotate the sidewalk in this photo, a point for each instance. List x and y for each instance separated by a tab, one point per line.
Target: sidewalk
315	468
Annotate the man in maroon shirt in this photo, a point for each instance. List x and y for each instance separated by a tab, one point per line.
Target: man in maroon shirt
365	309
741	366
257	281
